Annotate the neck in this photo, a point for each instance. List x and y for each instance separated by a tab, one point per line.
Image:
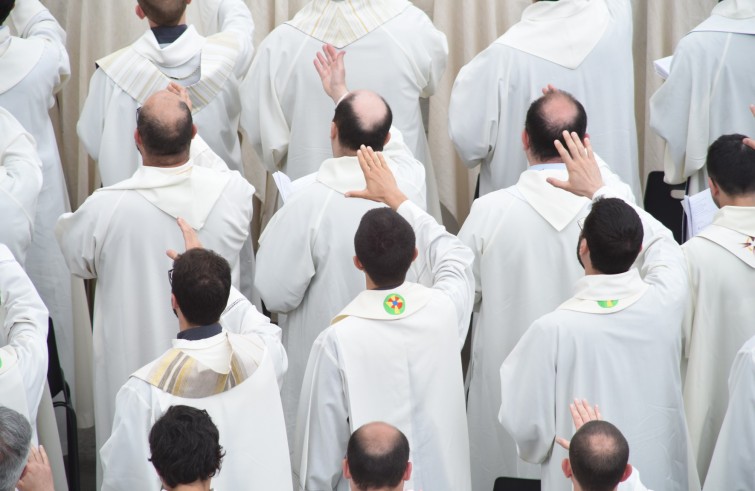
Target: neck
183	324
153	24
743	200
149	161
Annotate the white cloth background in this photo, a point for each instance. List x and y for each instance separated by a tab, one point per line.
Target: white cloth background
96	28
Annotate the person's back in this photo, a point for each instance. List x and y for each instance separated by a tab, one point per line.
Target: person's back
721	266
210	68
397	52
119	233
492	93
707	92
617	340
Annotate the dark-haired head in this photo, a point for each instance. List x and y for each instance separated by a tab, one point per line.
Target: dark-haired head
201	283
361	118
613	234
385	246
731	168
185	446
598	456
547	118
164	13
164	127
377	457
5	7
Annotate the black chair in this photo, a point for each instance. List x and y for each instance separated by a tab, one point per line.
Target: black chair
515	484
57	382
660	203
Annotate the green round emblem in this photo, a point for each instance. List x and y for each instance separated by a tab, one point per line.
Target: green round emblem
394	304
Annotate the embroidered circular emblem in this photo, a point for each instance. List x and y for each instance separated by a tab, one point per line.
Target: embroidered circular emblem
608	304
394	304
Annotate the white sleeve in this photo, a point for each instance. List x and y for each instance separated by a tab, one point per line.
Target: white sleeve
262	117
322	429
32	19
242	317
436	52
91	122
125	455
446	260
528	385
409	172
613	181
25	326
79	238
472	235
474	109
234	16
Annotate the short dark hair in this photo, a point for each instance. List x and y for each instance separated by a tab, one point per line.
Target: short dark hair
377	464
163	12
731	165
161	139
543	129
185	446
614	234
598	454
201	282
5	8
384	244
351	131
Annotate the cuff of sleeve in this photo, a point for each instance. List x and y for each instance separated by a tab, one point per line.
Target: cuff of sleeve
410	211
605	192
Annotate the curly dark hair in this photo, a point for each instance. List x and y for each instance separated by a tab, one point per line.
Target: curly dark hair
201	282
185	446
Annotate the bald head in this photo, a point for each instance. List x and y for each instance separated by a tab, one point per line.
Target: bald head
377	456
363	118
165	129
164	12
547	118
598	454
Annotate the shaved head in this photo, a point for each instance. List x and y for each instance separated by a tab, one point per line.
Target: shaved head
548	117
378	456
166	128
363	118
163	12
598	454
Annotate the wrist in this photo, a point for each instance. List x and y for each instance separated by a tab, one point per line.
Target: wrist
395	200
339	95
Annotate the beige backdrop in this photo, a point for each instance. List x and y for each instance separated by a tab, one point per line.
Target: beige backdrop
96	28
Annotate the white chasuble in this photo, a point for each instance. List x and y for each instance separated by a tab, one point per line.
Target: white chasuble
617	343
721	264
230	376
524	239
707	93
550	45
120	235
392	49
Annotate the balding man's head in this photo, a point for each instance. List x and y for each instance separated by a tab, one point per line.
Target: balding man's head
363	118
164	129
377	457
598	455
163	12
547	118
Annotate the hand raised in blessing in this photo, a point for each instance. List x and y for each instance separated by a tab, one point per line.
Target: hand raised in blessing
191	240
584	173
581	413
381	185
332	72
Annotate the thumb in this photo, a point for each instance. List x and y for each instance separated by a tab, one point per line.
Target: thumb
563	442
357	194
557	183
172	254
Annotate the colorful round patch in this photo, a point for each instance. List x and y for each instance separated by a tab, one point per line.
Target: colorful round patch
608	304
394	304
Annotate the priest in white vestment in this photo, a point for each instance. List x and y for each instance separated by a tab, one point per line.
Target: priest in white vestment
20	183
304	268
731	465
721	264
392	48
581	46
227	360
617	341
392	354
708	90
118	234
34	68
210	68
520	235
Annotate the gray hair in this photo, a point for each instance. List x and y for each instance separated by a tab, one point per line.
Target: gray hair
15	439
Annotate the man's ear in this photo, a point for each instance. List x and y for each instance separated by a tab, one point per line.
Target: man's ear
583	249
358	264
416	253
193	131
137	138
715	190
173	302
627	473
525	140
346	470
333	131
408	471
387	139
139	12
566	468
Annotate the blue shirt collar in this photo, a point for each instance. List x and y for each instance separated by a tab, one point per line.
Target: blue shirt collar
200	332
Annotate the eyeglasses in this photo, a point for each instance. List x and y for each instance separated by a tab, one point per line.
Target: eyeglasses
170	276
138	110
581	223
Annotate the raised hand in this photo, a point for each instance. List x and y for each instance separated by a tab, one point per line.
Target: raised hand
191	240
330	67
550	88
181	92
381	185
581	413
37	474
584	174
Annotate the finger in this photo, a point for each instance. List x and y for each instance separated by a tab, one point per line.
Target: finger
598	416
575	415
172	254
563	442
382	161
749	142
43	454
582	411
369	155
322	60
578	143
340	56
331	52
752	109
558	183
572	145
358	194
564	153
590	411
588	146
362	158
320	69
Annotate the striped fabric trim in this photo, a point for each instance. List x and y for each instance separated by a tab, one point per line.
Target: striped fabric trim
140	78
183	376
341	22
